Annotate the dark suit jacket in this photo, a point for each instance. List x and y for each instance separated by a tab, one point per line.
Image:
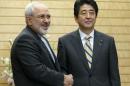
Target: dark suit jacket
104	71
32	63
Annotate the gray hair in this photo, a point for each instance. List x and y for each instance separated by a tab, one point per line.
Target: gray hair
30	7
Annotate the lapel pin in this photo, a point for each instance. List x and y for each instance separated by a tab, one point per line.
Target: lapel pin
101	42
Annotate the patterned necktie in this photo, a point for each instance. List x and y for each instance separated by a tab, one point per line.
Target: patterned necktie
88	51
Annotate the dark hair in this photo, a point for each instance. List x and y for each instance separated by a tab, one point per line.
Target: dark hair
79	3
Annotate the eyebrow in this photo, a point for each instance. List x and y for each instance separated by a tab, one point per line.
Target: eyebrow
87	10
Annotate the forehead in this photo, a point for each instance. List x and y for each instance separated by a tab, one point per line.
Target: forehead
40	10
86	7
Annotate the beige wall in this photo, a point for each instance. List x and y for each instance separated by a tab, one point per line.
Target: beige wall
113	19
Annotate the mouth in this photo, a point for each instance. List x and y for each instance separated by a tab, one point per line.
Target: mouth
88	22
45	26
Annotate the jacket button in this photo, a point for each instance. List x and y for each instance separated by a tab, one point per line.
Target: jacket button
90	75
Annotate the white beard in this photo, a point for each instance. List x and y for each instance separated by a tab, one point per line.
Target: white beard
42	31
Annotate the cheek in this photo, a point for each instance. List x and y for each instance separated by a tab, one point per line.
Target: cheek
94	20
79	20
49	21
30	22
37	24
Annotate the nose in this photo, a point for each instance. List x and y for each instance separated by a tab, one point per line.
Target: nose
46	19
88	15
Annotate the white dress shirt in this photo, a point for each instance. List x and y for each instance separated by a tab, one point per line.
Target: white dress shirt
83	35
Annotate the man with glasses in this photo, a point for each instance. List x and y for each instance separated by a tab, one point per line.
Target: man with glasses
33	60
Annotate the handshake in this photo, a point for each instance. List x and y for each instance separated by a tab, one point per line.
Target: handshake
68	80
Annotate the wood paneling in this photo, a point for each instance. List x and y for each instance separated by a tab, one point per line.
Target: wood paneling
113	19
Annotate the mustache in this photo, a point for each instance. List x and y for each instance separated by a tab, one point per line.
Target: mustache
45	24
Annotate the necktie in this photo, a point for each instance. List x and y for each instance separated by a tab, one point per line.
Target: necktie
88	51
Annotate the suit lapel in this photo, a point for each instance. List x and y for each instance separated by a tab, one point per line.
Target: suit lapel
43	47
56	64
50	48
98	41
56	61
80	50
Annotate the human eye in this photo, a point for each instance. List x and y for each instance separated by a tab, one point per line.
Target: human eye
48	16
91	12
83	13
41	16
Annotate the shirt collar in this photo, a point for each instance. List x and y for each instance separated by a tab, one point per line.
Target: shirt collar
83	35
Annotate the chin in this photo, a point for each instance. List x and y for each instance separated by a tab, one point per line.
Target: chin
43	31
89	26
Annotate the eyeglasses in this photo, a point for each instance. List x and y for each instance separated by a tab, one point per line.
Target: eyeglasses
88	13
43	16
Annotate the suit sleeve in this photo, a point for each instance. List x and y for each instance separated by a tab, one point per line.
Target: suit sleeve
114	69
28	56
62	58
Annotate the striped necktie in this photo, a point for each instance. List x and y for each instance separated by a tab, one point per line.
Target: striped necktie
88	50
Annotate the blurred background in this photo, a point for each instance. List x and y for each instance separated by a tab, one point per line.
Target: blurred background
113	19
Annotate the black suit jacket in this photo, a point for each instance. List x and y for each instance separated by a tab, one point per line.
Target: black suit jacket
104	71
32	63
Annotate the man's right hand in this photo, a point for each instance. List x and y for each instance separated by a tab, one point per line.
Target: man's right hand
68	80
